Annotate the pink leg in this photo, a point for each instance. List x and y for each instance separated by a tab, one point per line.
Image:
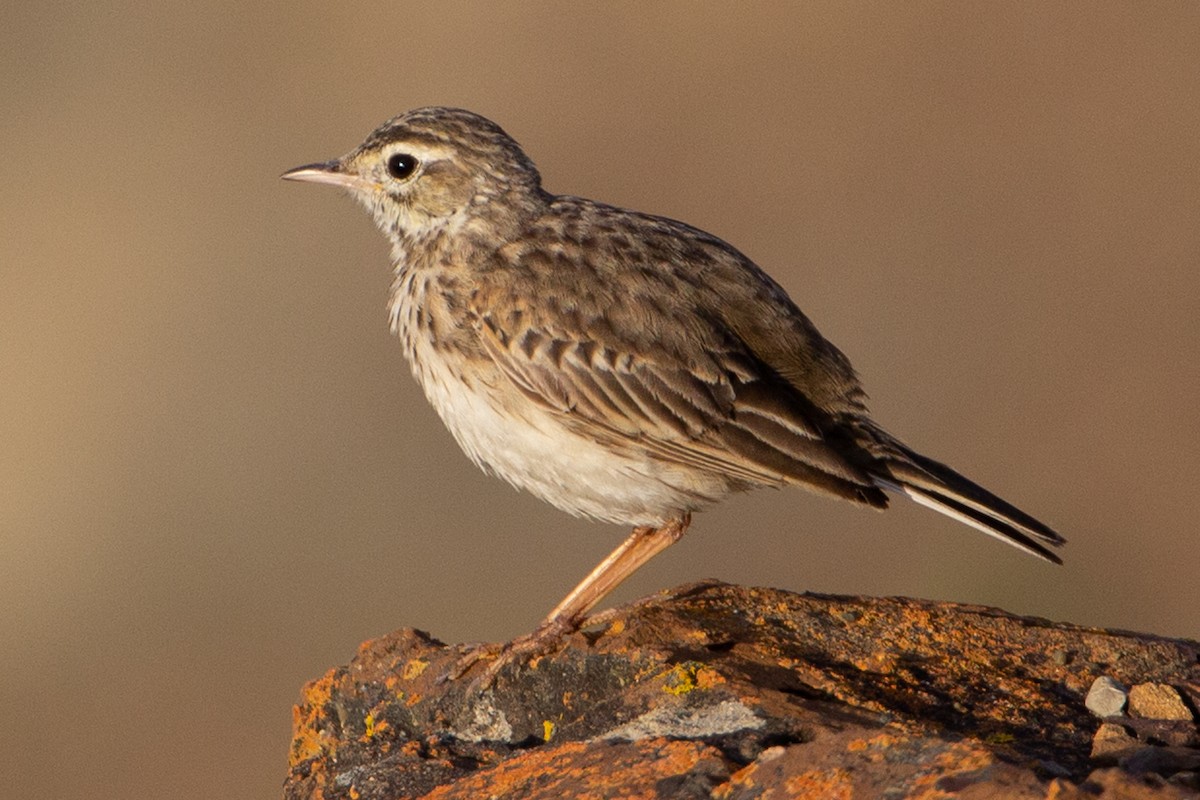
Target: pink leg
641	546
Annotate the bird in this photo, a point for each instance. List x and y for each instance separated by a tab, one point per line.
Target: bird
623	367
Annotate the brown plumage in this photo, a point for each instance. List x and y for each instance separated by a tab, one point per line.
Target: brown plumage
621	366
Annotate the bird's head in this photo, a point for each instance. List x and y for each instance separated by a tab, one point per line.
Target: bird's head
435	170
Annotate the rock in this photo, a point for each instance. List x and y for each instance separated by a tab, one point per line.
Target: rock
1187	779
1061	657
1157	701
1161	760
681	722
1112	741
1106	698
732	693
1116	784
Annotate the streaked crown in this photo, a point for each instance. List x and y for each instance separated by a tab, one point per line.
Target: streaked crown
434	169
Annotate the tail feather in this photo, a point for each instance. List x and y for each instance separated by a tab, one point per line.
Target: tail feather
935	485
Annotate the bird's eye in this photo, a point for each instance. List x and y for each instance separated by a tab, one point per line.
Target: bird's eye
401	165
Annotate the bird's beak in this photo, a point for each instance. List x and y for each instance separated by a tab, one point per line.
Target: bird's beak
331	172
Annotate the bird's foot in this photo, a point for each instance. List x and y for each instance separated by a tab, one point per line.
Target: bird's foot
549	636
546	638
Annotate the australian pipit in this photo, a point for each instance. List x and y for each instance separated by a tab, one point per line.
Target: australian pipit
621	366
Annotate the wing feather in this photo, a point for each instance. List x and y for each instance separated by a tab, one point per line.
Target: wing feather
673	343
719	423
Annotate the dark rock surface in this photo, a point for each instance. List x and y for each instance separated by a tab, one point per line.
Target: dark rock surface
728	692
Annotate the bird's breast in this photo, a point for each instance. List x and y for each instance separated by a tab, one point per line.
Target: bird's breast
528	444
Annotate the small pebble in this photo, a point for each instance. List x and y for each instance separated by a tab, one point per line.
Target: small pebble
1106	698
1157	701
771	753
1111	739
1060	657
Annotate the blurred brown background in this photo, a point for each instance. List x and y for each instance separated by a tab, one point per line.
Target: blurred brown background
217	477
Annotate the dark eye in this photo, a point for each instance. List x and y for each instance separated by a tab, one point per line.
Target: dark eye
401	165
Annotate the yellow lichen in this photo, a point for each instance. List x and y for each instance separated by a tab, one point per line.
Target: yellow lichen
372	727
681	679
413	668
689	676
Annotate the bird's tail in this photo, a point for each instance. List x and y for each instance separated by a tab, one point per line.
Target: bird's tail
933	484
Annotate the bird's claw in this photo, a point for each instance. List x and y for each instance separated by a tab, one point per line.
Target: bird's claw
547	637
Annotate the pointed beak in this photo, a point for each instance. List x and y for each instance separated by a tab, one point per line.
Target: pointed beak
331	172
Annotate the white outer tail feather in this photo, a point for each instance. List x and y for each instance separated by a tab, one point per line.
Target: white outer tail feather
931	502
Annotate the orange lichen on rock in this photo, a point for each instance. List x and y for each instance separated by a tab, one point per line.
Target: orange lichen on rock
307	739
820	784
734	693
372	727
587	770
957	764
690	676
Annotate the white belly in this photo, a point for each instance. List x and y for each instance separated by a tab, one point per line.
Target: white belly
528	445
530	448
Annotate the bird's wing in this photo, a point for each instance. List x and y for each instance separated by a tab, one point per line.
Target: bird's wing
648	364
646	332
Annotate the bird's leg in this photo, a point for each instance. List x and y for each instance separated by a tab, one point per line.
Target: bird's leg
642	545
